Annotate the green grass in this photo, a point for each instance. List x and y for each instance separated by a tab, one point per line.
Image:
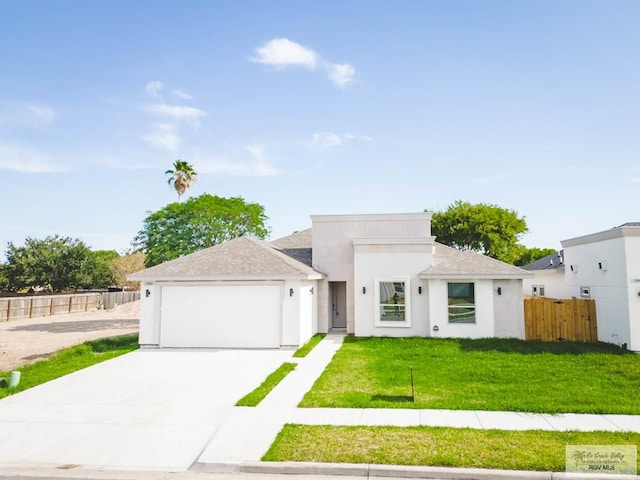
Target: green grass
70	360
484	374
436	446
304	350
254	398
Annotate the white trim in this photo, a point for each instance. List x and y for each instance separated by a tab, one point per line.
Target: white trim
406	323
618	232
377	217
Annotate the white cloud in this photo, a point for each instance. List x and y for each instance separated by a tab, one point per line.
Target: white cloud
325	140
341	74
256	163
179	112
26	115
283	52
163	137
182	95
24	160
154	88
330	139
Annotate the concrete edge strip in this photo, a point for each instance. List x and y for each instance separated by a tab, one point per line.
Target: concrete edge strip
396	471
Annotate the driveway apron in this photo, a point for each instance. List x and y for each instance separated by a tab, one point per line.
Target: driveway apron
152	409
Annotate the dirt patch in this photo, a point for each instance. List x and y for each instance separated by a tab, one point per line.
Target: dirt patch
28	340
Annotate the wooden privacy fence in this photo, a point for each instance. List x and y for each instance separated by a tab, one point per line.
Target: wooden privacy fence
110	300
553	319
13	308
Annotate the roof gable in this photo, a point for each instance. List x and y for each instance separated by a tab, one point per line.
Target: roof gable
451	263
241	257
548	262
296	246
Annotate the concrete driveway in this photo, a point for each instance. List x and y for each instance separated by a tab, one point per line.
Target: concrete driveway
150	409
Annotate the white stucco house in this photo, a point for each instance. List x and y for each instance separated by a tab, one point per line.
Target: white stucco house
369	275
605	266
548	277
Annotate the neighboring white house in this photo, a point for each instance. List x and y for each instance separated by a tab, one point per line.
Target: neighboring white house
548	277
605	266
370	275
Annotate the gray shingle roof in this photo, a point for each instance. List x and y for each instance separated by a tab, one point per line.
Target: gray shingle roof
297	246
242	257
550	262
451	263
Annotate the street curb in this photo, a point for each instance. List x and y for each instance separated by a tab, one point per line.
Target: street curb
398	471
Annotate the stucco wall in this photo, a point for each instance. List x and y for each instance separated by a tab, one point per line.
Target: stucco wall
323	306
332	239
389	262
508	309
609	285
439	312
299	312
632	245
150	314
553	281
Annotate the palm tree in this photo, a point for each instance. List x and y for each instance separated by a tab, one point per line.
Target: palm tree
181	177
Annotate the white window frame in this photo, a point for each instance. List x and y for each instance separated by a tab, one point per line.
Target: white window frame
541	290
379	322
475	305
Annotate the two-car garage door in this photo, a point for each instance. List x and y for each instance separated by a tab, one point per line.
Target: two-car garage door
240	316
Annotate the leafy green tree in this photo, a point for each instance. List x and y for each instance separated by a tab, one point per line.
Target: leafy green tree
181	177
101	275
530	255
4	280
485	228
55	263
181	228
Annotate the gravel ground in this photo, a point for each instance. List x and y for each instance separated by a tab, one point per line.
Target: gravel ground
29	340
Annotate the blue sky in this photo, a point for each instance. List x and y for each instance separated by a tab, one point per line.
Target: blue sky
318	108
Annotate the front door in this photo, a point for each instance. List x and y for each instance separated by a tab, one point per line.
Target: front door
338	304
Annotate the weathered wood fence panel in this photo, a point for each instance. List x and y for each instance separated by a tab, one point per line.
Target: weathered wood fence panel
113	299
553	319
14	308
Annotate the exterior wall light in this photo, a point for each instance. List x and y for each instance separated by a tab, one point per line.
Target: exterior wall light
419	289
147	293
291	292
364	290
311	290
499	290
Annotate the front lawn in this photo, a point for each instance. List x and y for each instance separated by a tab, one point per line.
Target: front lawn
436	446
484	374
70	360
